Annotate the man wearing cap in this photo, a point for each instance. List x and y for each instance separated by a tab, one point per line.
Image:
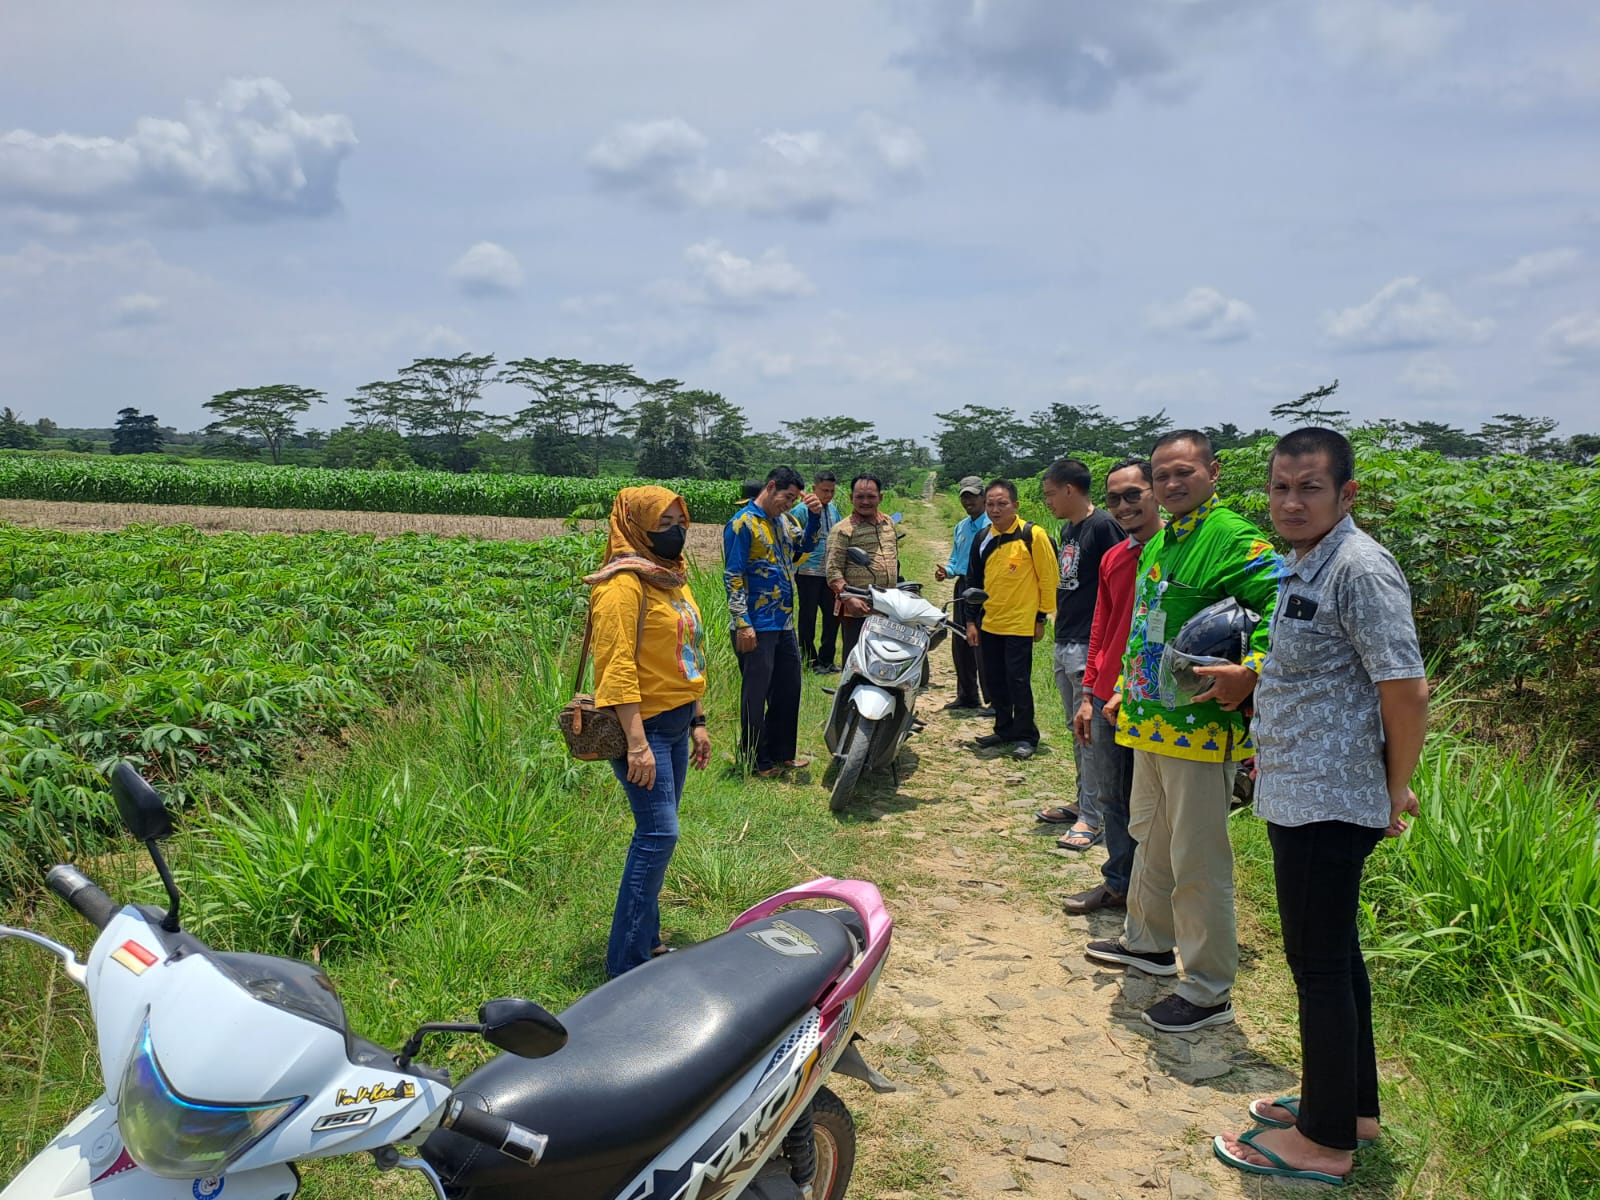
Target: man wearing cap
970	693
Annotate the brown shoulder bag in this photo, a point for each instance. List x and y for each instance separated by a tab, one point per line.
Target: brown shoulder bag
595	733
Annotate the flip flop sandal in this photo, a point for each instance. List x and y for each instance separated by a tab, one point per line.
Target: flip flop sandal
1279	1169
1292	1104
1078	839
1057	814
658	951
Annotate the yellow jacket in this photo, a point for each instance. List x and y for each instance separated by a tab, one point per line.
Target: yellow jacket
661	670
1019	577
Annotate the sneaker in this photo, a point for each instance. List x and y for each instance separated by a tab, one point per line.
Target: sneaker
985	711
986	741
1177	1015
1023	750
960	706
1152	963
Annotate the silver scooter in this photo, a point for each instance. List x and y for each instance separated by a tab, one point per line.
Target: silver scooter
875	706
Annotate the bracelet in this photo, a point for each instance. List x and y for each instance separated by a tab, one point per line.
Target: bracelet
698	721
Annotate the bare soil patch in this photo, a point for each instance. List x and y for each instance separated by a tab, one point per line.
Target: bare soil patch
705	540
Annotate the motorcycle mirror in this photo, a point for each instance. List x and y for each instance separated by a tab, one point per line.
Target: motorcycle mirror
521	1027
858	556
897	517
144	814
974	596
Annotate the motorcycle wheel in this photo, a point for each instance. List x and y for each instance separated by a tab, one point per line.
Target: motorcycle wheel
859	742
835	1135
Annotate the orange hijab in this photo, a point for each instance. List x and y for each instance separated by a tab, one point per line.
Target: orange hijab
634	515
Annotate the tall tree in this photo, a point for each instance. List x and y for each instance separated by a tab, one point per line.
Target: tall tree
17	434
268	413
550	422
136	433
1513	433
977	440
384	404
1442	439
441	405
1312	408
602	387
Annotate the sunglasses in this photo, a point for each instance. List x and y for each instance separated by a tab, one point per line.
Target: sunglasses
1131	496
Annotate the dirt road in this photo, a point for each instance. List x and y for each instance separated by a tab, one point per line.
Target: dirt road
1027	1063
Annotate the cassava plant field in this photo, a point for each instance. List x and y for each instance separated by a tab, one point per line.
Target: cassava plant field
180	650
88	478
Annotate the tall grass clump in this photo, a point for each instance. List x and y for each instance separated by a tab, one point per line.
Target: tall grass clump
1486	921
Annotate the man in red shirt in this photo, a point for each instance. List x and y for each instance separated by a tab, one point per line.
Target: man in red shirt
1131	500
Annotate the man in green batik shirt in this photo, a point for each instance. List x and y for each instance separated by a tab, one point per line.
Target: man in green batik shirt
1181	893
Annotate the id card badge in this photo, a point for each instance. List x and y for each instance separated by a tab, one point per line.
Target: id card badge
1155	630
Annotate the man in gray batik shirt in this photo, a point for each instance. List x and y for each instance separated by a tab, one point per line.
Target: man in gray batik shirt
1341	709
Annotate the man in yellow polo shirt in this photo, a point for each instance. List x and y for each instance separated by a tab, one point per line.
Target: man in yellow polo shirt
1015	562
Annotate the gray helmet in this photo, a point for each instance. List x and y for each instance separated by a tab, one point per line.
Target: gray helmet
1217	634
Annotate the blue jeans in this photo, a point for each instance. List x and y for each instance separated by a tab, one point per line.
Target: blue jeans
636	925
1111	768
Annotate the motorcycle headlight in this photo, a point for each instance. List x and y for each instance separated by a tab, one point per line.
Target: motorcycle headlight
178	1138
883	671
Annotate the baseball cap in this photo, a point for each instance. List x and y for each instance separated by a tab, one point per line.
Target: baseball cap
971	484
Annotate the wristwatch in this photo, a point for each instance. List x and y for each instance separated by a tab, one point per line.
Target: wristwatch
698	721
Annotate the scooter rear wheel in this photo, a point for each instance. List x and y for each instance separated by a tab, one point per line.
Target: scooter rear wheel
835	1136
858	742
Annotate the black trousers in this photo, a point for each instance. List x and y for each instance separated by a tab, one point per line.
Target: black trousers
816	597
971	685
1318	869
849	635
769	701
1008	662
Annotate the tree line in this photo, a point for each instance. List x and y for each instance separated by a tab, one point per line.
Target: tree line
988	441
578	418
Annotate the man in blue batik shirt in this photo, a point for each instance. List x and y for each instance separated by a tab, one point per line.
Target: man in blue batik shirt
760	546
971	695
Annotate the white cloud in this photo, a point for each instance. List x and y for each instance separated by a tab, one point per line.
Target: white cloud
248	154
1405	314
662	160
1574	338
487	269
724	279
1429	375
137	308
1534	270
1204	313
804	174
1071	55
1387	35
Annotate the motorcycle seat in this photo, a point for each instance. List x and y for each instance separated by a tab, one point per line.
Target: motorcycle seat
646	1055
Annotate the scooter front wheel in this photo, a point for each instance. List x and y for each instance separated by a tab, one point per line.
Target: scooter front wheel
858	742
835	1135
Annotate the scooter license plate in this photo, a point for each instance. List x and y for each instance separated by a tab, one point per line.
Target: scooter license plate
909	634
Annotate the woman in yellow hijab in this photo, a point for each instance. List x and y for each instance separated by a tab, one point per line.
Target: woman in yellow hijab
649	663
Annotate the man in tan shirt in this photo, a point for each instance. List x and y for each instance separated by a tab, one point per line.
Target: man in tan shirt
864	529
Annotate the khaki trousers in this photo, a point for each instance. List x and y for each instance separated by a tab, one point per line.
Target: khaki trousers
1181	893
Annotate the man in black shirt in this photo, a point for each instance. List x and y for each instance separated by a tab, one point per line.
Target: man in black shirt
1086	534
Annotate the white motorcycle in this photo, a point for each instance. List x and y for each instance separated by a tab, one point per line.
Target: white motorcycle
875	706
698	1075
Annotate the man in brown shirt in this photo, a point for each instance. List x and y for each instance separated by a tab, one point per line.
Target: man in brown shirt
865	529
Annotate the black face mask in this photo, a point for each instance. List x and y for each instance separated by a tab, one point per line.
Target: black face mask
668	543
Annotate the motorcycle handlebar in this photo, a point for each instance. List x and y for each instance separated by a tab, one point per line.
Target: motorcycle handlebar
78	890
513	1140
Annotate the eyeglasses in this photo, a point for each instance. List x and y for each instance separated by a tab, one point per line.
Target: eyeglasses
1131	496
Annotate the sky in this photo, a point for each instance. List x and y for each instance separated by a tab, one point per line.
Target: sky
880	208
